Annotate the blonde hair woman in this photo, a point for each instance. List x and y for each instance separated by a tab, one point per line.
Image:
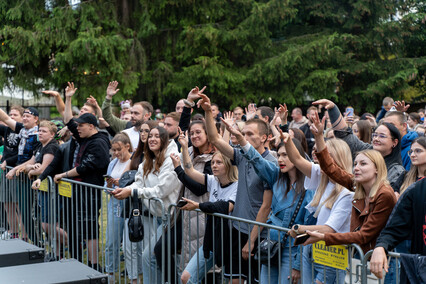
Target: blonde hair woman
373	200
330	206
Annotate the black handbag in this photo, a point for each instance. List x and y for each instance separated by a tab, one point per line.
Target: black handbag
135	224
269	250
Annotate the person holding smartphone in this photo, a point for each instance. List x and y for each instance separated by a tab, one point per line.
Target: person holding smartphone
121	148
222	189
373	200
287	186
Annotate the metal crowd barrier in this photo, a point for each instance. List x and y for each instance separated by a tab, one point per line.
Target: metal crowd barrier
73	219
217	274
77	220
368	277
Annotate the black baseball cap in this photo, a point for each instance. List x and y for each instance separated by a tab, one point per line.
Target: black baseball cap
87	118
32	111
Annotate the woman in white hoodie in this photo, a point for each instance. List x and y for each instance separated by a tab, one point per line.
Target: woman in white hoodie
155	178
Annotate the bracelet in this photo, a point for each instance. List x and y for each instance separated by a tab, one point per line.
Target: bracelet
188	103
66	174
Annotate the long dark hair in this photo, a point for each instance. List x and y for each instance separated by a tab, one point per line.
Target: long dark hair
150	164
283	178
299	135
138	155
364	130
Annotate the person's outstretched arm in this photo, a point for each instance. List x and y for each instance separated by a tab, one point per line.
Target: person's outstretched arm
212	133
115	123
299	162
327	163
69	92
6	119
60	105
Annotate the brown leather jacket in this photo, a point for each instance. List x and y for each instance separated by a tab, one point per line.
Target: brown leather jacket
367	220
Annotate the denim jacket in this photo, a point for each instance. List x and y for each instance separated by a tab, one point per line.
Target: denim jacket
282	206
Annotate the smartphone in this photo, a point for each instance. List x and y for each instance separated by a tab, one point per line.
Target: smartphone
300	239
108	190
350	111
181	203
107	176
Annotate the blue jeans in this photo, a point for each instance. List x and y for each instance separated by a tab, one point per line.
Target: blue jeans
323	274
114	234
275	274
151	273
198	266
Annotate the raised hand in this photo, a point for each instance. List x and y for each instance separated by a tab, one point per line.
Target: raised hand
70	90
250	111
284	136
51	93
400	106
317	126
325	103
63	131
194	94
371	120
175	159
183	138
204	102
229	117
112	89
93	101
283	112
234	131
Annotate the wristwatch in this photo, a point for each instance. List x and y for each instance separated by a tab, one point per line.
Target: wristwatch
296	228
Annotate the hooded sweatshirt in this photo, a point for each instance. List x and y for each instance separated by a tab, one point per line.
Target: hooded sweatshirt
92	158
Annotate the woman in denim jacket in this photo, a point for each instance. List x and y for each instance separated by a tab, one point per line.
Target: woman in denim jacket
287	185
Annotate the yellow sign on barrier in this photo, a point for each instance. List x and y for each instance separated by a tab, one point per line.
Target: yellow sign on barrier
333	256
44	186
65	189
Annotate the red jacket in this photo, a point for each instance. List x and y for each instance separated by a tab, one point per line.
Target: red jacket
367	220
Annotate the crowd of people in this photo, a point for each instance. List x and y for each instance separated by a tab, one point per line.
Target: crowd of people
340	177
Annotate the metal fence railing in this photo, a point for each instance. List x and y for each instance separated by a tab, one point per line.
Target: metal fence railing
73	219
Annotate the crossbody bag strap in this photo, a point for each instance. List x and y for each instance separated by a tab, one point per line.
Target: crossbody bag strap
293	218
135	202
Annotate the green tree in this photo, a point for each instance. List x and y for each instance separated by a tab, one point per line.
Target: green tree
354	52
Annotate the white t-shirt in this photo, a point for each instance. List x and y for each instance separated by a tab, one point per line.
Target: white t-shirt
339	216
118	169
227	193
134	136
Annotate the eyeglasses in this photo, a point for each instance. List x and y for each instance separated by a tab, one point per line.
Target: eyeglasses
415	151
377	135
144	130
